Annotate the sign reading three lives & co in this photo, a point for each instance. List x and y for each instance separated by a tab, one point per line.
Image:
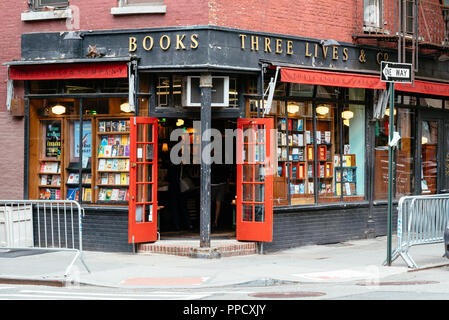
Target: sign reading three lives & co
269	47
208	47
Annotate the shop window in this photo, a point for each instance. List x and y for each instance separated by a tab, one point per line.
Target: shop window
431	103
404	155
114	86
351	157
42	4
327	92
429	165
44	87
169	89
297	151
320	146
301	90
233	93
99	172
251	86
80	86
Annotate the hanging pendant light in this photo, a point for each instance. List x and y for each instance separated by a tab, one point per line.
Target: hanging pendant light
292	107
125	107
347	114
322	109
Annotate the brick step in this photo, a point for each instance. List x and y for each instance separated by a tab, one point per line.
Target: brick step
191	248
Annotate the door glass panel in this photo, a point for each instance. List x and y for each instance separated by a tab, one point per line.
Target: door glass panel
149	133
247	192
405	153
247	212
248	173
139	212
149	188
259	173
446	158
259	213
429	153
259	192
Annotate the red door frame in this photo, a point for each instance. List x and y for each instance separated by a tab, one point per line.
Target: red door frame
249	229
144	230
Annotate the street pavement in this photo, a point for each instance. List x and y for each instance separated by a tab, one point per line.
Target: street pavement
360	260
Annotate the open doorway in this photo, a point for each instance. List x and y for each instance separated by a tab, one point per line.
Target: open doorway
179	185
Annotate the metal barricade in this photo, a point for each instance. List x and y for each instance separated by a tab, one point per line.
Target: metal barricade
54	225
421	220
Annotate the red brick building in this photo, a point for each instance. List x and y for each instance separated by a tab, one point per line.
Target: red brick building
329	182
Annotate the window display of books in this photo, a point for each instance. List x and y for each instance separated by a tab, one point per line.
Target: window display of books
112	176
113	126
49	194
345	182
50	180
113	194
114	145
50	167
73	178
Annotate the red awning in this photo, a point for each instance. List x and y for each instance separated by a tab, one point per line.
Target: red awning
425	87
69	71
336	79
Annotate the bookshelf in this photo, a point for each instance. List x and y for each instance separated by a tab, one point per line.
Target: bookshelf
112	161
73	182
49	180
346	176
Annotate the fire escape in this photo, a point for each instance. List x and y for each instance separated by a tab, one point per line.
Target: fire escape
412	27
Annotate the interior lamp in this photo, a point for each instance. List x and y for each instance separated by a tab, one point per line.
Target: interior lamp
179	123
424	140
387	112
292	108
125	107
58	109
347	115
322	110
346	122
165	147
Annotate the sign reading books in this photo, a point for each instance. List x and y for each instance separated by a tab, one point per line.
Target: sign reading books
53	139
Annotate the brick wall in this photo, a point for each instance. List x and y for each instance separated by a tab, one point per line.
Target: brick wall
312	227
11	157
327	19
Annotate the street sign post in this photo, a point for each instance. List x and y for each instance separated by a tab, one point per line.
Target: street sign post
396	72
392	72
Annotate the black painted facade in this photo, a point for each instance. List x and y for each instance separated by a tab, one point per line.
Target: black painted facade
224	50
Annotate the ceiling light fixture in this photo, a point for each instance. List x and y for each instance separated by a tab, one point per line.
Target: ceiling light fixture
292	107
58	109
125	107
322	110
347	114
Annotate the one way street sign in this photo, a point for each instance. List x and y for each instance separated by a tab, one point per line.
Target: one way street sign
396	72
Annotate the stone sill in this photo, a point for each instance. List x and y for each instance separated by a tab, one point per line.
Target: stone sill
138	9
46	15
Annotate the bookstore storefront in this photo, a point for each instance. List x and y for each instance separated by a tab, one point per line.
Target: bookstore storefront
328	154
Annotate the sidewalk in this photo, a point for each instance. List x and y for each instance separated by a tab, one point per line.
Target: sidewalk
359	260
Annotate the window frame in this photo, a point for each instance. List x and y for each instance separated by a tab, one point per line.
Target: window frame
37	5
124	3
